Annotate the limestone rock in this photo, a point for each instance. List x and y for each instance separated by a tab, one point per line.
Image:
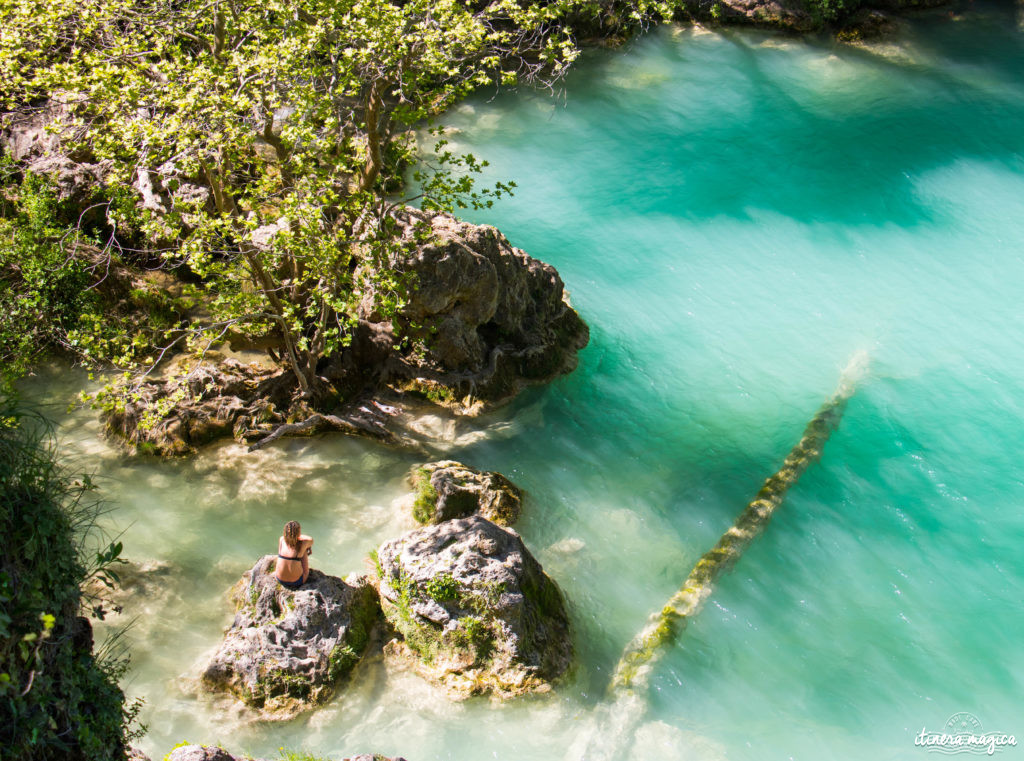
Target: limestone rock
134	754
485	318
36	138
203	753
448	489
213	400
476	611
286	650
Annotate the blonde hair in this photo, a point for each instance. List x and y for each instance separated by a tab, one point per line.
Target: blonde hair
291	534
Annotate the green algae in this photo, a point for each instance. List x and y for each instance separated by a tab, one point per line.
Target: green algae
663	627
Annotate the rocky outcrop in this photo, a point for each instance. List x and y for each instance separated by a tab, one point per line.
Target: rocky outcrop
219	398
37	138
483	319
214	753
475	611
448	489
287	650
850	20
198	404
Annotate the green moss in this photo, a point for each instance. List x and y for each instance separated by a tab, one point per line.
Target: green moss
543	592
475	636
426	497
440	395
364	611
443	588
341	660
280	683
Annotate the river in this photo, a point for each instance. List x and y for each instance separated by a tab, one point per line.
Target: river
735	214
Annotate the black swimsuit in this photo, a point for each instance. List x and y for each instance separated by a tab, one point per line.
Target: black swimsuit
289	584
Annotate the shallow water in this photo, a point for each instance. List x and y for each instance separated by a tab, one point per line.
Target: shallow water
735	215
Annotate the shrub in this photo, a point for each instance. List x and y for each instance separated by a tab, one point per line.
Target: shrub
57	699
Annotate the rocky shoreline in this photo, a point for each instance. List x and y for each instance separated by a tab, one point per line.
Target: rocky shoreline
484	321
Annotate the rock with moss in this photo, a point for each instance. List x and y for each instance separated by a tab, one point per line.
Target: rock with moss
852	20
204	753
474	610
449	489
484	320
286	650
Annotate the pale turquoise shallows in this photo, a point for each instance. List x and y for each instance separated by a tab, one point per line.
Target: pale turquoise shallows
735	214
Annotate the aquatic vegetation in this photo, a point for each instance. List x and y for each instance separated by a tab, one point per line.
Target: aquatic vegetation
640	655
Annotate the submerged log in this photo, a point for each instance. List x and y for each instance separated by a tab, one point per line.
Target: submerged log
642	653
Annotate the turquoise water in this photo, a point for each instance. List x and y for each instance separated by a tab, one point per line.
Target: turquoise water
735	214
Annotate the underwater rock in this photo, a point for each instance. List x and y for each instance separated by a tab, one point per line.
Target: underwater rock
484	320
142	587
286	650
449	489
475	610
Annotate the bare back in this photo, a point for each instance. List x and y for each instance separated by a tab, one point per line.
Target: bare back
293	565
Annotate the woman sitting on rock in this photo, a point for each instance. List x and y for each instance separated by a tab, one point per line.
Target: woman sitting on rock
293	551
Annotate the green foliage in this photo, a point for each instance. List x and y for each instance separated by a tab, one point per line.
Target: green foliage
293	119
49	271
832	10
375	559
298	755
42	289
442	588
340	661
57	701
426	497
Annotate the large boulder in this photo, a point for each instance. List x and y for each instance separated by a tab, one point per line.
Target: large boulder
449	489
475	610
482	318
38	138
287	650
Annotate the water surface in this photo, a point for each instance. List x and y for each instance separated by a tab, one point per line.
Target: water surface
735	214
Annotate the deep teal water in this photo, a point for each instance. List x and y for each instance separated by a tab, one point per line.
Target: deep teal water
735	215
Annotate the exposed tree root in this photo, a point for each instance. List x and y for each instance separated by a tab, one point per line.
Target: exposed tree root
363	422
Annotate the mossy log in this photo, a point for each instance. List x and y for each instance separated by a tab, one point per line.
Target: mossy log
643	651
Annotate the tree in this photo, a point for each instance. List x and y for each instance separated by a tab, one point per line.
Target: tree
262	136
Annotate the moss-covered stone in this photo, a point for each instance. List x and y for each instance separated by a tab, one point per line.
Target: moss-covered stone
474	610
287	650
447	489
